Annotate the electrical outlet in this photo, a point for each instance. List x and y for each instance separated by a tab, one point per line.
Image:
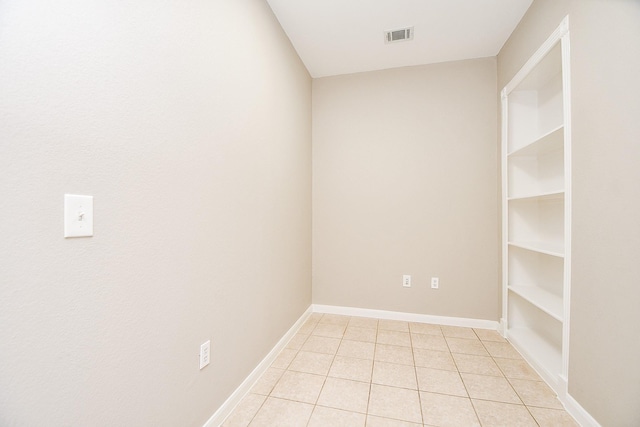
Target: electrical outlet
205	352
435	283
406	280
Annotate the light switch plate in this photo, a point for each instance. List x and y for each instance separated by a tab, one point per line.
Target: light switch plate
78	215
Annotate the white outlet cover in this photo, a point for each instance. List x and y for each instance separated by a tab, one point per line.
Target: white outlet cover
435	283
78	215
205	354
406	280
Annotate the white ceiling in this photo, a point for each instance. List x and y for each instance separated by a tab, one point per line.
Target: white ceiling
347	36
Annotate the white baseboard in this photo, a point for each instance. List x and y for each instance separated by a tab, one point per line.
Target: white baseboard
578	412
229	405
407	317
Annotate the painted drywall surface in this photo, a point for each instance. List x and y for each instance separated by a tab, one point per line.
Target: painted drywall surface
604	375
404	183
189	123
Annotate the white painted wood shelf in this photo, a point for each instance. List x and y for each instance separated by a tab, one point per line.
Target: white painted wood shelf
542	299
536	208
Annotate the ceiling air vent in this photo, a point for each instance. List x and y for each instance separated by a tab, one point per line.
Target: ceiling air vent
402	34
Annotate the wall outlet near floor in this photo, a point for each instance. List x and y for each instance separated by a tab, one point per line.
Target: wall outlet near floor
406	280
435	283
205	352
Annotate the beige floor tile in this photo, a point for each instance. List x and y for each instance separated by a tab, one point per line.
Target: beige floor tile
267	381
245	411
425	328
394	354
282	413
394	375
363	322
355	333
393	325
311	363
335	319
497	414
487	387
299	386
297	341
373	421
517	369
284	358
489	335
466	346
308	327
350	368
552	417
396	403
345	394
325	417
501	349
439	381
536	393
458	332
315	317
324	345
448	411
329	330
482	365
357	349
433	359
429	342
393	338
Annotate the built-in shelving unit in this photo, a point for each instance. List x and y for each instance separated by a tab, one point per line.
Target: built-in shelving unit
536	178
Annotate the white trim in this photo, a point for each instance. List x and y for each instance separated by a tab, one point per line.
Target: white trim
553	39
230	404
578	412
407	317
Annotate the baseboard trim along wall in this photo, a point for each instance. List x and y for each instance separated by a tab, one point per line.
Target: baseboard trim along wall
407	317
578	412
230	404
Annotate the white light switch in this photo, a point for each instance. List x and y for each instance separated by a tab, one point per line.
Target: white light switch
78	215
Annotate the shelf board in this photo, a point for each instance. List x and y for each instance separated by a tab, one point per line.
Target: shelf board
547	195
545	356
541	298
542	247
550	141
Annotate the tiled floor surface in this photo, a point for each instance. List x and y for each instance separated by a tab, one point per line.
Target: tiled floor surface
357	372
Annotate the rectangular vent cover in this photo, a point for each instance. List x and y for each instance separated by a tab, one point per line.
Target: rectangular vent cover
403	34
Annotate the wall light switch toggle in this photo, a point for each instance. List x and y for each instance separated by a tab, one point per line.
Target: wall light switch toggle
78	215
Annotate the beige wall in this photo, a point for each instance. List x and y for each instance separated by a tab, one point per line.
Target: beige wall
190	124
404	182
604	374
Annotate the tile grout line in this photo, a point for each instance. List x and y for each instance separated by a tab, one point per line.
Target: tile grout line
415	372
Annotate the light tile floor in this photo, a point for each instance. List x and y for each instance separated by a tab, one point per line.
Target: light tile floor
360	372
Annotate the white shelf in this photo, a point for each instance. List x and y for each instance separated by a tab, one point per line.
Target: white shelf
543	353
541	247
548	142
536	208
547	195
541	298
